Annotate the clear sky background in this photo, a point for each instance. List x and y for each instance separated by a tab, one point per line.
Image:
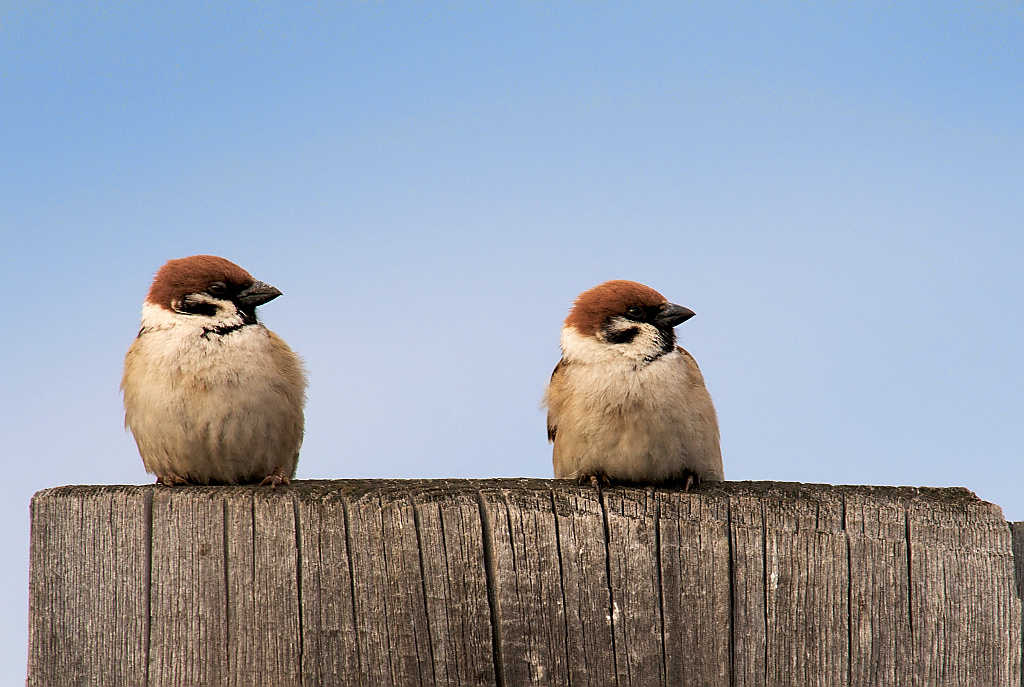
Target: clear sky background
835	189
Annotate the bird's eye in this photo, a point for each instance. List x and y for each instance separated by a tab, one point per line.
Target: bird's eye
218	288
635	311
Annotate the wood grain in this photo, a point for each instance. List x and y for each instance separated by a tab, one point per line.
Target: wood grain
694	554
880	636
330	648
961	561
522	582
88	593
526	579
1017	534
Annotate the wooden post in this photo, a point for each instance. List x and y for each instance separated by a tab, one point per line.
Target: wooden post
522	582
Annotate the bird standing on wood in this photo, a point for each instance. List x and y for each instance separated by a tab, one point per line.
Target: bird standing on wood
211	395
625	403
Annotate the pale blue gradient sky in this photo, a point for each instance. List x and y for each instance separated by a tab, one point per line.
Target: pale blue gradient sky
836	190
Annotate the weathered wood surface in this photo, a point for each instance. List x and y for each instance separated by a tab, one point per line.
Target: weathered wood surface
1017	531
521	582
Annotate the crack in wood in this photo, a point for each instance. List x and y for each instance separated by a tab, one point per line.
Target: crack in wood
384	597
147	576
227	582
910	576
652	496
608	579
352	585
423	589
764	581
298	583
732	591
451	666
849	595
561	586
492	594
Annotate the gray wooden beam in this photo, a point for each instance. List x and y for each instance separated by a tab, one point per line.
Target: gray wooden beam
519	582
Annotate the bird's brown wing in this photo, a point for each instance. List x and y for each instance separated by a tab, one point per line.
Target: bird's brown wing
694	376
556	382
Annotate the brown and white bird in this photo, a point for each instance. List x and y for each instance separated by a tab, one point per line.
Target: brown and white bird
625	403
210	394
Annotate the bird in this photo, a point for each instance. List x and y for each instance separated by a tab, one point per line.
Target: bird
625	403
210	394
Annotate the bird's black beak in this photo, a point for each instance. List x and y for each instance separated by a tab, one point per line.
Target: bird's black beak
257	293
671	314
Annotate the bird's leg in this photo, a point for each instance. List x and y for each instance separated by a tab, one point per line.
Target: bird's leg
276	479
170	480
596	480
692	480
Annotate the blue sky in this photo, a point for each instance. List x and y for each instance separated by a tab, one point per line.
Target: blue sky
835	189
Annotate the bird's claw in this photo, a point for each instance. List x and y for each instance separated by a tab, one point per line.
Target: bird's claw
276	479
170	480
692	480
596	480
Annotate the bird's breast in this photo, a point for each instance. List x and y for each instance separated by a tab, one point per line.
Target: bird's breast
621	385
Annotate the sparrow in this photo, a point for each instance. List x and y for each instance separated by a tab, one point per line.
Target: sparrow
210	394
625	403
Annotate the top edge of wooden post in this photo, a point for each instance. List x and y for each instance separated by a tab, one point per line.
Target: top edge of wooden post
950	496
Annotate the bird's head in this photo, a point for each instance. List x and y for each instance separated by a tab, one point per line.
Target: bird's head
625	318
206	286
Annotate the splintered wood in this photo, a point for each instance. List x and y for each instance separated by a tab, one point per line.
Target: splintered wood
522	582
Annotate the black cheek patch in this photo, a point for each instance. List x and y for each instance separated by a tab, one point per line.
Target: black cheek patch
622	337
188	307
